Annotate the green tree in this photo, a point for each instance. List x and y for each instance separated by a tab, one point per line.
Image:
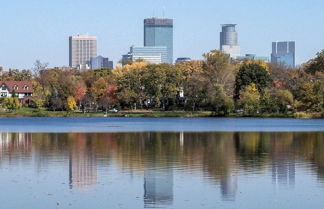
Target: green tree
162	84
316	64
131	87
217	70
252	72
284	100
311	97
222	104
250	100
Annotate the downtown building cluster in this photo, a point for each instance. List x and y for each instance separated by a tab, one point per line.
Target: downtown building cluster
158	48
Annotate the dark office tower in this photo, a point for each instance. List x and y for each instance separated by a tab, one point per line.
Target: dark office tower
283	52
159	32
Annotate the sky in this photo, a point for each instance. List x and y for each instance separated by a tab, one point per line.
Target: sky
39	29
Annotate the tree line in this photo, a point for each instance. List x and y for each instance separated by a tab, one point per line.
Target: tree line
216	83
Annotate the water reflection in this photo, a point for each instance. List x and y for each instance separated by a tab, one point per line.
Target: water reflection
221	158
82	163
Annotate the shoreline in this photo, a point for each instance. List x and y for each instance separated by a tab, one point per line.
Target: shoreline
30	112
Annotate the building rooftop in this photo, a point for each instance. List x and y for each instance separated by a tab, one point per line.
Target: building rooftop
228	25
158	21
84	37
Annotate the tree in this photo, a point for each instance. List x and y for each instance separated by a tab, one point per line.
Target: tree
311	97
217	69
99	87
252	72
110	97
39	66
80	91
130	86
284	100
221	103
39	95
70	104
162	84
316	64
250	100
193	83
267	102
11	103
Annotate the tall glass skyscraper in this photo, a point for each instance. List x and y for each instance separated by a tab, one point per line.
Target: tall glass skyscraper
283	52
159	32
228	41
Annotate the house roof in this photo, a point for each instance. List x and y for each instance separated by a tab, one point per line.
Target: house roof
20	84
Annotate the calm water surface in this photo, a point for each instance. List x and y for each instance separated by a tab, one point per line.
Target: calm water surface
140	168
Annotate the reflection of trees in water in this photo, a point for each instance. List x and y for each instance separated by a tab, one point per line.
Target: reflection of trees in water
15	147
219	155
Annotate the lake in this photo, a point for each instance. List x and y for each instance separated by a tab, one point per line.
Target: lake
94	163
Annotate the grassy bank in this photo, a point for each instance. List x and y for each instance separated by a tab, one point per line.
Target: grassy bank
30	112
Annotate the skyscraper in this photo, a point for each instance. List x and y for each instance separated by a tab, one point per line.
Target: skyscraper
101	62
81	49
159	32
283	52
228	41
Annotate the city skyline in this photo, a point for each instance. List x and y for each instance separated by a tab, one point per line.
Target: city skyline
194	34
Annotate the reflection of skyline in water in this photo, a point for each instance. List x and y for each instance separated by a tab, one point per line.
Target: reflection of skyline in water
222	157
158	186
283	162
82	164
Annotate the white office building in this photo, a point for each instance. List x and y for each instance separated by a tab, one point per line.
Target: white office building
81	49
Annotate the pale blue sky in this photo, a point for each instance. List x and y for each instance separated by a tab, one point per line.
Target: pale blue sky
39	29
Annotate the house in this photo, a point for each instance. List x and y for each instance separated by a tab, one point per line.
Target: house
21	89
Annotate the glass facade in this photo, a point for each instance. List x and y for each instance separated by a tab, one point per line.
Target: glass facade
253	57
228	36
182	59
283	53
161	51
229	41
159	32
101	62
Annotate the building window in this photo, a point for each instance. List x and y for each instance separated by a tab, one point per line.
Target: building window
15	87
3	94
26	87
3	87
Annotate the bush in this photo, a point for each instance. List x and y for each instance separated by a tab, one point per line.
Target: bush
11	103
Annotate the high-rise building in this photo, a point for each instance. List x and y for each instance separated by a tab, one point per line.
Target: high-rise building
228	41
81	49
182	59
283	52
159	32
253	57
101	62
150	54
